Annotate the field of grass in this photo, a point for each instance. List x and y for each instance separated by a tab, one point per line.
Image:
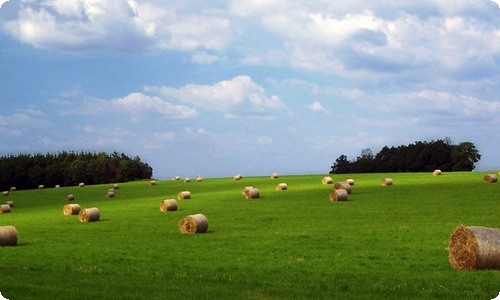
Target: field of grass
386	242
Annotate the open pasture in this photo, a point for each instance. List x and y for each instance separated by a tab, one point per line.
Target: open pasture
385	242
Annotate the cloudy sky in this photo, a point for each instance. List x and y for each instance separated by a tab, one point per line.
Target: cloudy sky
215	88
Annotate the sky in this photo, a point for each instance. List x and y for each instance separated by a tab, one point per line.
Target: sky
217	88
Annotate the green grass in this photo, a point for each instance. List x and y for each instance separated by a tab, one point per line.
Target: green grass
386	242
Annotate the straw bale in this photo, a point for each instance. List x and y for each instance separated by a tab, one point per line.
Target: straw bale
387	181
490	178
436	172
274	176
8	236
184	195
57	186
245	189
168	205
71	209
252	193
41	186
327	180
10	203
238	177
89	215
199	178
187	179
81	184
350	181
343	186
152	182
6	193
12	188
474	247
110	194
338	195
191	224
70	197
176	178
116	186
4	208
281	187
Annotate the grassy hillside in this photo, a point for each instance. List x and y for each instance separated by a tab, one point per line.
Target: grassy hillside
386	242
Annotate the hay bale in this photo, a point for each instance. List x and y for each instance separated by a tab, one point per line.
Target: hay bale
490	178
115	186
10	203
6	193
197	223
474	247
274	175
176	178
168	205
338	195
252	193
238	177
187	179
327	180
199	178
436	172
343	186
57	186
350	181
152	182
71	209
8	236
70	197
281	187
110	194
184	195
12	188
41	186
387	181
245	189
81	184
4	208
89	215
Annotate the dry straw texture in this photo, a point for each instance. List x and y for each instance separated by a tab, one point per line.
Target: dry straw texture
168	205
71	209
70	197
338	195
387	181
436	172
184	195
197	223
490	178
252	193
89	215
475	247
4	208
8	236
327	180
350	181
343	186
281	187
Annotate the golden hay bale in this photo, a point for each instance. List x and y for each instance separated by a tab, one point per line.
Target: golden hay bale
176	178
115	186
187	179
10	203
71	209
152	182
8	236
274	175
327	180
70	197
281	187
184	195
252	193
343	186
245	189
338	195
110	194
238	177
197	223
89	215
4	208
199	178
436	172
387	181
168	205
490	178
41	186
12	188
6	193
475	247
350	181
81	184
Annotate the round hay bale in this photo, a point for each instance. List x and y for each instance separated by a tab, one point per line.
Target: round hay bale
12	188
71	209
6	193
176	178
274	175
81	184
327	180
187	179
199	179
4	208
387	181
252	193
8	236
184	195
41	186
89	215
237	177
245	189
490	178
70	197
474	247
152	182
436	172
10	203
110	194
168	205
281	187
350	181
338	195
343	186
57	186
115	186
197	223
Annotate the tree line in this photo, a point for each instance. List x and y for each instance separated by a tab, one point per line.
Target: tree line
27	171
416	157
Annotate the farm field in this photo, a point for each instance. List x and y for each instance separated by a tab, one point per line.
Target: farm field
385	242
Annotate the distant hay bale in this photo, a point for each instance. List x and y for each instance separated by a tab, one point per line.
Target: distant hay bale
327	180
70	197
490	178
71	209
274	175
350	181
184	195
252	193
168	205
191	224
176	178
41	186
199	178
4	208
343	186
115	186
89	215
12	188
81	184
10	203
238	177
436	172
245	189
152	182
6	193
474	247
57	186
281	187
110	194
8	236
187	179
338	195
387	181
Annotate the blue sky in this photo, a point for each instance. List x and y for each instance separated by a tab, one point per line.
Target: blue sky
216	88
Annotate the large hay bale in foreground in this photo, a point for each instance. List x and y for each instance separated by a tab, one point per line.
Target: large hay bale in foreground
168	205
184	195
89	215
197	223
281	187
8	236
387	181
338	195
490	178
252	193
4	208
71	209
245	189
436	172
343	185
475	247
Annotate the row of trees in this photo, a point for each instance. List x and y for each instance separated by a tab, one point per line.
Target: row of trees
416	157
26	171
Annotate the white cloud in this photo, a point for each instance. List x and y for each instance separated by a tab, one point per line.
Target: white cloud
136	103
316	106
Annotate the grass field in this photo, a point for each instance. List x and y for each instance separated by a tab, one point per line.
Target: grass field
386	242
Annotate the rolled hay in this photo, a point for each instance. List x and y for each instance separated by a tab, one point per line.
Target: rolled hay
70	197
238	177
4	208
6	193
168	205
115	186
176	178
436	172
490	178
387	181
281	187
152	182
274	176
184	195
197	223
41	186
338	195
245	189
10	203
71	209
110	194
327	180
475	247
350	181
57	186
8	236
81	184
199	179
89	215
12	188
343	186
252	193
187	179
